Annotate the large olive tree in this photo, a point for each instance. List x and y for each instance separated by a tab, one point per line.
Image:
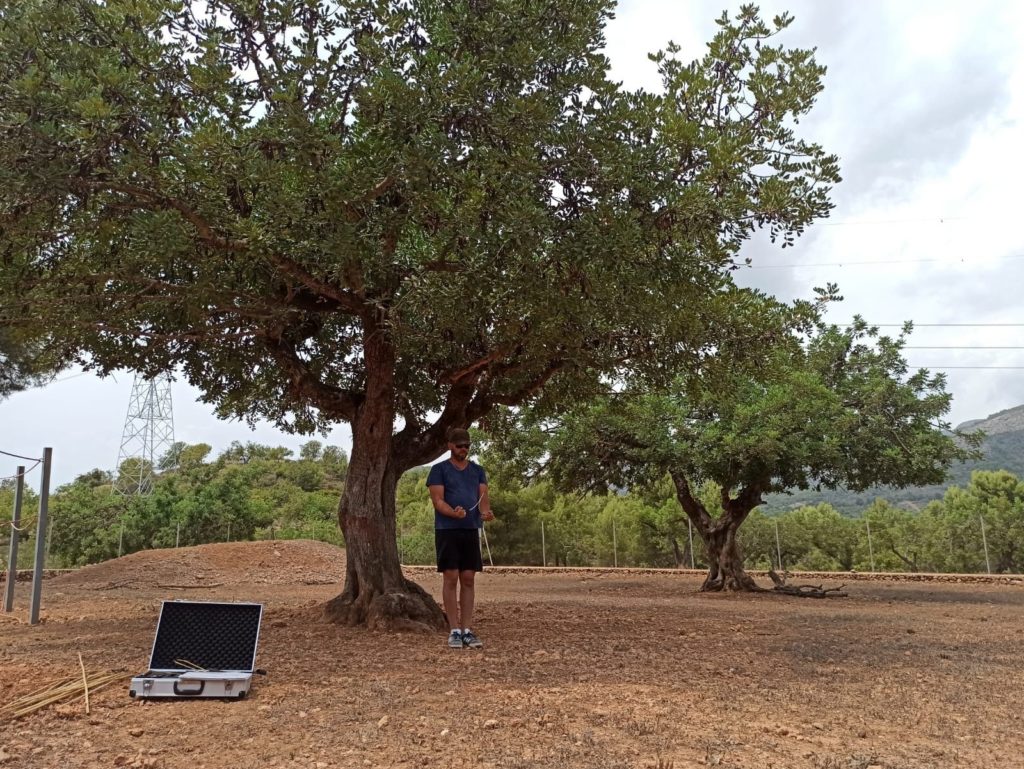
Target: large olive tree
398	214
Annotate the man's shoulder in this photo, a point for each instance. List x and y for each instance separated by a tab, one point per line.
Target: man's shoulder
436	472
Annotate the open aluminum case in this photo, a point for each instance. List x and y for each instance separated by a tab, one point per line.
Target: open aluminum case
219	638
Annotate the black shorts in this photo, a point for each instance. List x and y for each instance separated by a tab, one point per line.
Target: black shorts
458	549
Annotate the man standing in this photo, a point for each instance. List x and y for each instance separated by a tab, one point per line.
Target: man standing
458	490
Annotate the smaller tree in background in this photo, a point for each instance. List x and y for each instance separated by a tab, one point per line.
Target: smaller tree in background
781	401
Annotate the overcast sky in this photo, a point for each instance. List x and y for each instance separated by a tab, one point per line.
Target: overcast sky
923	103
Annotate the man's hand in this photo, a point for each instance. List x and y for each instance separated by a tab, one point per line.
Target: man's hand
459	512
487	515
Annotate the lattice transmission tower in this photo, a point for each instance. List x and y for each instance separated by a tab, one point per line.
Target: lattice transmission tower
148	434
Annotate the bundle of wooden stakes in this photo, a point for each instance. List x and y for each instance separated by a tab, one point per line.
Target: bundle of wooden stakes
66	690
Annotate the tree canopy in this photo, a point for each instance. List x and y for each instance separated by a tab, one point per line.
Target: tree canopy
24	362
396	214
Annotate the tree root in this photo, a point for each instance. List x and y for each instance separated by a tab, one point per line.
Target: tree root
412	609
804	591
742	583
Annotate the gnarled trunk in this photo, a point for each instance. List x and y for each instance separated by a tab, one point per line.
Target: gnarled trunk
726	570
376	592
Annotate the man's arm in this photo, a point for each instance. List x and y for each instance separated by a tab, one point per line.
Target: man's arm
437	497
485	503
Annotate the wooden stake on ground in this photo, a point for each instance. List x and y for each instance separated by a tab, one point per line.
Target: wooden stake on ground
85	682
65	690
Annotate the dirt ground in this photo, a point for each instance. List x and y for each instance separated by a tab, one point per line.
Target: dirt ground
581	668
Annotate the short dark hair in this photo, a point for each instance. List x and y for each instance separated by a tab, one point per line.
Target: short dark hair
458	435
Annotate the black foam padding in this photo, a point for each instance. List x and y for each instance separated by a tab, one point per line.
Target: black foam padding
213	636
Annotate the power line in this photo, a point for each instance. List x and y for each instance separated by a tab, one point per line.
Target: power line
19	456
942	325
977	368
964	347
873	262
23	473
908	220
66	378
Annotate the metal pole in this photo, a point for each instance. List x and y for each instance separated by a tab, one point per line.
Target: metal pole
778	547
120	540
543	545
229	531
984	542
177	533
489	559
871	550
12	561
689	524
44	509
615	546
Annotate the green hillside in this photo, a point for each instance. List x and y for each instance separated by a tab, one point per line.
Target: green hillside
1003	447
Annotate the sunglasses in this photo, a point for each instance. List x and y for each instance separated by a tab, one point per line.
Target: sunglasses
461	445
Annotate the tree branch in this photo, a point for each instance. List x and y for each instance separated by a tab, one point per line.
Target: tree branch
346	300
693	508
304	385
156	201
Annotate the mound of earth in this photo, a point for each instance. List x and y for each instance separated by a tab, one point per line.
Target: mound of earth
279	562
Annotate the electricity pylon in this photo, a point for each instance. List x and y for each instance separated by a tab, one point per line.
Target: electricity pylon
148	434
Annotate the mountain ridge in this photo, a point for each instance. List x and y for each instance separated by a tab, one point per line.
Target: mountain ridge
1003	448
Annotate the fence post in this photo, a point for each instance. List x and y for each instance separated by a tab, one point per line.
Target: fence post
984	542
12	561
177	533
615	546
120	540
229	531
689	525
871	550
543	546
41	528
778	547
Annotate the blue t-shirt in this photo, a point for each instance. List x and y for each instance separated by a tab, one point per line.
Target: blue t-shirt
461	487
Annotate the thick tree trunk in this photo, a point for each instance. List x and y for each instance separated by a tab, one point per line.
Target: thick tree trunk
376	593
726	571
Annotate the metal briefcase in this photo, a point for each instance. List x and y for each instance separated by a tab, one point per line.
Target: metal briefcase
202	649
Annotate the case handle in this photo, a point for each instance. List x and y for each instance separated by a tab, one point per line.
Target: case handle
188	692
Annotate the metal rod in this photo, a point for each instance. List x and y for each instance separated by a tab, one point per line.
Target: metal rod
12	561
871	550
489	559
229	531
177	533
778	547
984	542
120	540
615	546
689	524
44	509
543	546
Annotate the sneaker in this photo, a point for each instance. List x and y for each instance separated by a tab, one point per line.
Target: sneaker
470	640
455	639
